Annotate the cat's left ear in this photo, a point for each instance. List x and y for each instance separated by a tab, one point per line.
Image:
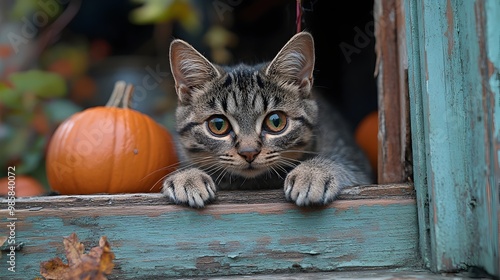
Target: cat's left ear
190	69
294	64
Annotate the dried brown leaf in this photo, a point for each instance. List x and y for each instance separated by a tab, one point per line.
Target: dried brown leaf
74	249
54	269
94	265
104	254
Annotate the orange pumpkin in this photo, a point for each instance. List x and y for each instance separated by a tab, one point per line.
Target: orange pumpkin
366	136
110	149
24	185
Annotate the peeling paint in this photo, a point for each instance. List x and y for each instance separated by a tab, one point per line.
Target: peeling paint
450	32
208	263
296	240
192	243
454	84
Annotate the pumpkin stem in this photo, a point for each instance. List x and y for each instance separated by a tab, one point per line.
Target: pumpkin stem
122	93
117	94
128	96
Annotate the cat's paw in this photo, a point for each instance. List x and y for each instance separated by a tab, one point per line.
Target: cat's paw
311	183
191	186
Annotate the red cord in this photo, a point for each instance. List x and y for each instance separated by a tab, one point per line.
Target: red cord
299	16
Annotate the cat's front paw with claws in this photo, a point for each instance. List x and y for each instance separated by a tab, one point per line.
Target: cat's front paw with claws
312	183
190	186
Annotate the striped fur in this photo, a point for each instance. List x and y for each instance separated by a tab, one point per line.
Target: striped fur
313	157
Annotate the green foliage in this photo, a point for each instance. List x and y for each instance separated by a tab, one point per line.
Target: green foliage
155	11
9	97
58	110
40	83
25	8
22	8
32	107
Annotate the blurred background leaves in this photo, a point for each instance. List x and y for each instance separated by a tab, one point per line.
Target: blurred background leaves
158	11
58	57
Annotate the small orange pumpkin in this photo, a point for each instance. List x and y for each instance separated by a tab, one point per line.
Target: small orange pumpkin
110	149
22	185
366	136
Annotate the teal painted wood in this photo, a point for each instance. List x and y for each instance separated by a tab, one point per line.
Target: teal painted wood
416	83
174	241
489	210
453	76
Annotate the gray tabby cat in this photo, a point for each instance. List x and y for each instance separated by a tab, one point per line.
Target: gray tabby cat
249	127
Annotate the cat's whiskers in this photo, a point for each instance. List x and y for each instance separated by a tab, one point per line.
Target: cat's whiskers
299	151
221	176
275	171
197	161
174	165
274	157
214	169
281	165
290	161
285	167
242	183
210	168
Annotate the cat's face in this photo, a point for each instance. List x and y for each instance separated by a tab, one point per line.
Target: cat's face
245	120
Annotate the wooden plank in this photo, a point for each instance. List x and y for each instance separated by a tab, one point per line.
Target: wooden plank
455	118
416	84
445	147
488	19
397	191
163	240
418	128
371	274
394	165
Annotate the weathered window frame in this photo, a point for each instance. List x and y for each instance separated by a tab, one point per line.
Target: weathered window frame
454	60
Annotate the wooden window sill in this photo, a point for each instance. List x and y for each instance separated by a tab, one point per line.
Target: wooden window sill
242	232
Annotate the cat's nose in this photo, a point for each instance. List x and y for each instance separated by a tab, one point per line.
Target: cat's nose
249	154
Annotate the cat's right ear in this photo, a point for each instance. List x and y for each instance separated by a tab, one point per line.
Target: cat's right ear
190	69
294	64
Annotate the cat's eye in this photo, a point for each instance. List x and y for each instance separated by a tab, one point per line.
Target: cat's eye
275	122
218	125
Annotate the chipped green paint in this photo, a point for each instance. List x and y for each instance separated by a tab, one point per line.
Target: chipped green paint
173	241
453	53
